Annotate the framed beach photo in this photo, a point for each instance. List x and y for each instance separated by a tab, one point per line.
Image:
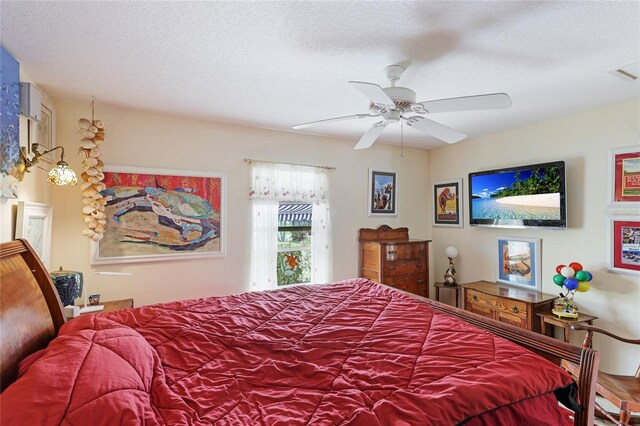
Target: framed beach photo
624	177
382	193
161	214
447	203
624	245
519	262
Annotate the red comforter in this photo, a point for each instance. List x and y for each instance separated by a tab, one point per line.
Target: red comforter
352	353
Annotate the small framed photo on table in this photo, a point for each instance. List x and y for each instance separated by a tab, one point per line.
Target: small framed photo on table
624	245
382	193
519	262
447	203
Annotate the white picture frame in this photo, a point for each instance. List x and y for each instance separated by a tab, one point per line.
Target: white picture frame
515	256
44	133
448	206
151	238
33	223
382	193
623	249
621	162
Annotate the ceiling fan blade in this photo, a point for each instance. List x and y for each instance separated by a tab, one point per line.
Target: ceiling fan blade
373	92
330	120
437	130
468	103
371	135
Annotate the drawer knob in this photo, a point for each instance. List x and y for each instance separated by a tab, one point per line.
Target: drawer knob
420	282
419	266
514	309
392	268
475	298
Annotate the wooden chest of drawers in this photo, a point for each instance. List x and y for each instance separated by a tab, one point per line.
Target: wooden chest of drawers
507	304
387	256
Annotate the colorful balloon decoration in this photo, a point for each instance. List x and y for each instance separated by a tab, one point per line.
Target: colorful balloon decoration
571	278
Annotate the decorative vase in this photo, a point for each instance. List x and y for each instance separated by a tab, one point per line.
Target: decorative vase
68	284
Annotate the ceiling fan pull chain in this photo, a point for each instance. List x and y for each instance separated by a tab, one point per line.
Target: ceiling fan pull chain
401	138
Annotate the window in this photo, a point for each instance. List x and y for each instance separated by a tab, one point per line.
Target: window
291	225
294	244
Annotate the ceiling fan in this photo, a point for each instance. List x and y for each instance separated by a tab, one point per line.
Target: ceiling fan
394	104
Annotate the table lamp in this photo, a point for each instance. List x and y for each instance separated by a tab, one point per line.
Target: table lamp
450	273
68	285
87	308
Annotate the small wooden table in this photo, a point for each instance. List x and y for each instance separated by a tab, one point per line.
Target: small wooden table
439	285
114	305
565	323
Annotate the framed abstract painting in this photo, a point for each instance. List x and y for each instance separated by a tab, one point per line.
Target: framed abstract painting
382	193
519	262
9	125
161	214
447	203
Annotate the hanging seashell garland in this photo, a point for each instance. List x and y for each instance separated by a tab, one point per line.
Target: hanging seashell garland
93	209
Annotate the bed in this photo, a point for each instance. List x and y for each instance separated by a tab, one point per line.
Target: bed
350	353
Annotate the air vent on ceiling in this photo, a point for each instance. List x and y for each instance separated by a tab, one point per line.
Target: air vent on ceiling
629	72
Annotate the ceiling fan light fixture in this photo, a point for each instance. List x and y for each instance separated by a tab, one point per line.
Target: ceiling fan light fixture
391	103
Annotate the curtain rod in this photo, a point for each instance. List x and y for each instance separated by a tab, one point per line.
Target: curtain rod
248	160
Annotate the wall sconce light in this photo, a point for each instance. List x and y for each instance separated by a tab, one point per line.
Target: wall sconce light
450	273
61	174
95	308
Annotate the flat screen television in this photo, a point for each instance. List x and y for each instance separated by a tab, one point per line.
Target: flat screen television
519	197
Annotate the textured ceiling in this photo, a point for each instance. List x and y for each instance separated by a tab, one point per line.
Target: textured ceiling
275	64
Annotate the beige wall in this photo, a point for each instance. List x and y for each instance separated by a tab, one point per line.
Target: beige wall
136	138
583	142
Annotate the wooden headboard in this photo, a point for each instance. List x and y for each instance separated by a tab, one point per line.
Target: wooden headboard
30	308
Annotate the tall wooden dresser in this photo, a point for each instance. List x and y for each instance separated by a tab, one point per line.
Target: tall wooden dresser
388	256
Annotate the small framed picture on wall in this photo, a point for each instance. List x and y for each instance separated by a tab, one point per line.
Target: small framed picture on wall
624	245
447	203
519	262
624	177
382	193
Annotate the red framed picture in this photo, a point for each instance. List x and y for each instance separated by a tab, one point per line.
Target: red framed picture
625	177
625	239
447	203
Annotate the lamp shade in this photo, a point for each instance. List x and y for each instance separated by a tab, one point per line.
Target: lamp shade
451	252
68	284
61	174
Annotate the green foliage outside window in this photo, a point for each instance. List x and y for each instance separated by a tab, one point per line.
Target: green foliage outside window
294	249
294	267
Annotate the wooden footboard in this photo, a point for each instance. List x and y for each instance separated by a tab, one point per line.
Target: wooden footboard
551	349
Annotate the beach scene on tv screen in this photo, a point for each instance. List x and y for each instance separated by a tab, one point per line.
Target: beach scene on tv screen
524	194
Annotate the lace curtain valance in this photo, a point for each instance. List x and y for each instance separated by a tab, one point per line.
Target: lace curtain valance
288	183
